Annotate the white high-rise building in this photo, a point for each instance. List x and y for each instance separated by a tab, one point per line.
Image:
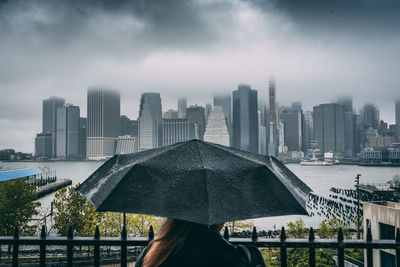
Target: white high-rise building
126	144
216	129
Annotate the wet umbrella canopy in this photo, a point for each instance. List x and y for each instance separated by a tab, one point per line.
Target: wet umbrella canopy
196	181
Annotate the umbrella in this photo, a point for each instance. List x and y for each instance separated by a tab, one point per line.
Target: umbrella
196	181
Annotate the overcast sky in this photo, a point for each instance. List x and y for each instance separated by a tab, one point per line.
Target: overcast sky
316	50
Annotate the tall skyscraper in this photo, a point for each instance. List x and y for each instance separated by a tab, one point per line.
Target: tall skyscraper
397	121
217	130
177	130
370	116
273	135
68	131
225	102
329	128
49	121
349	131
245	119
150	119
197	115
182	105
103	122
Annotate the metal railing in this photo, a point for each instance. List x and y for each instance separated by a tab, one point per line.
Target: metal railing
123	242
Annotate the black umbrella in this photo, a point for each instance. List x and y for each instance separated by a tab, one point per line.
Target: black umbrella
197	181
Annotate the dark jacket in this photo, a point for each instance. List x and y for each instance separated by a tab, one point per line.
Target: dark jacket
203	249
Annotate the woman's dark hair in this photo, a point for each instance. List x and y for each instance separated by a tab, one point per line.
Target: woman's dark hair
171	236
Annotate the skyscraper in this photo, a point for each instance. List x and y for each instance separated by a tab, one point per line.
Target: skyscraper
398	121
49	119
182	104
273	136
177	130
197	115
103	122
208	110
329	128
292	121
82	138
308	131
150	119
43	145
67	131
262	133
349	131
216	129
224	101
370	116
245	119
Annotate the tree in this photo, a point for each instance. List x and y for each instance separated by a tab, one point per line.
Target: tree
239	226
297	229
17	207
73	209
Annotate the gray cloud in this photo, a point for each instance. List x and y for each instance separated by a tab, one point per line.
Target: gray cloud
316	50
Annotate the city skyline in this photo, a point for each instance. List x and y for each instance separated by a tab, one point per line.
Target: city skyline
263	102
63	48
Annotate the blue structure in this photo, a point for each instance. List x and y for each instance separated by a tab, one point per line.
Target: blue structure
6	175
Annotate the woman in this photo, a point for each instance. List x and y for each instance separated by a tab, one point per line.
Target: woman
182	243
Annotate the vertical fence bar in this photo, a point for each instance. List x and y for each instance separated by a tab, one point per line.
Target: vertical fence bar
369	248
254	235
340	248
70	247
43	247
226	233
311	250
124	260
151	233
15	247
398	247
283	248
96	247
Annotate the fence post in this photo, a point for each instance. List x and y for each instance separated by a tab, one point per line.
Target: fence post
15	247
340	248
124	260
70	247
369	249
97	247
43	247
254	235
151	233
283	248
226	233
311	250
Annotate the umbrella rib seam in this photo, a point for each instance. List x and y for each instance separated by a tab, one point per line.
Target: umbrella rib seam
205	182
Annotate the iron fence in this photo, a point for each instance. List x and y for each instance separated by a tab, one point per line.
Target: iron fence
339	244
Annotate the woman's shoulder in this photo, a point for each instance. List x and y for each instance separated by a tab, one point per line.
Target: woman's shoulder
139	260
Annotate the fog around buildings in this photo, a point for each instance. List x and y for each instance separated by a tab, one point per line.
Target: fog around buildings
315	51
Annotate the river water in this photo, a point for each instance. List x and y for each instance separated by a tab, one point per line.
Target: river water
319	178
